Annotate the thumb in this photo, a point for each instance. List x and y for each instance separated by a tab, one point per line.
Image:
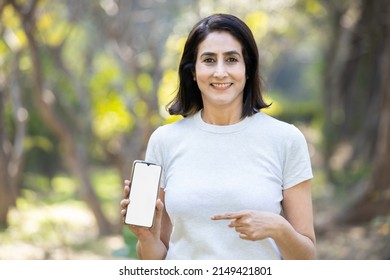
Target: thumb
159	211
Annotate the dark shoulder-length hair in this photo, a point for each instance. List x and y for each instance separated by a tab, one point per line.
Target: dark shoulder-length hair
188	99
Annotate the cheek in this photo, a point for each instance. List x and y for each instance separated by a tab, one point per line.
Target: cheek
240	73
202	80
202	73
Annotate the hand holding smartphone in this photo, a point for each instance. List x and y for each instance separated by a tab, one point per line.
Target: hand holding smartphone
145	181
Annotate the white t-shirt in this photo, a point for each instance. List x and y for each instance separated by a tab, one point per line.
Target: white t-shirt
210	170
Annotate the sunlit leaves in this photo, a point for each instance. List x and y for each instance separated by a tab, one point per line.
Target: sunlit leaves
276	107
130	87
40	142
118	97
110	117
9	18
168	86
170	82
52	23
145	83
166	92
140	108
76	50
175	43
106	75
52	31
314	7
3	52
173	49
258	23
13	35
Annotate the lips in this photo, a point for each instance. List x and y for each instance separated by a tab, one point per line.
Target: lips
221	85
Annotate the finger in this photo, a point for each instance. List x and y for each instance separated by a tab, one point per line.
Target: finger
244	236
234	223
228	216
124	203
239	229
159	209
158	215
126	189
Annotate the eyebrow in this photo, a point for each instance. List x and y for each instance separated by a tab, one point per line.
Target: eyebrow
225	53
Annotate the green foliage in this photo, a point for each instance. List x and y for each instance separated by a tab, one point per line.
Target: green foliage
145	83
258	22
108	187
50	218
14	36
168	86
102	79
52	31
131	243
313	7
110	115
293	111
76	49
348	177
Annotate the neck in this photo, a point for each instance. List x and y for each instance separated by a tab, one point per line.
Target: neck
221	117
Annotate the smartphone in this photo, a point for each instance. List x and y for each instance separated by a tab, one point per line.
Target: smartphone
144	186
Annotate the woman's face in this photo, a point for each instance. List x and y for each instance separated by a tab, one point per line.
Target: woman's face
220	71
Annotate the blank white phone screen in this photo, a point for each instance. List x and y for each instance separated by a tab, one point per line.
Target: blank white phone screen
143	194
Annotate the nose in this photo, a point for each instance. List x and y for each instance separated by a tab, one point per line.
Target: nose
220	70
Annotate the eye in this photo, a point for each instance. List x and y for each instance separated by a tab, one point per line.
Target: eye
209	60
232	59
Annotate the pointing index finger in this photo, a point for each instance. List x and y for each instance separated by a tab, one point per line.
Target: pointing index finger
227	216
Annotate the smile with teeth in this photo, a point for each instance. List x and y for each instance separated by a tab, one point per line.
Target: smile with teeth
219	85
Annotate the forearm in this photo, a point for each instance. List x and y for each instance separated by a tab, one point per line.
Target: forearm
151	250
292	244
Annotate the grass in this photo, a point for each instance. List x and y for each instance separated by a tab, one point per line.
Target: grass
51	222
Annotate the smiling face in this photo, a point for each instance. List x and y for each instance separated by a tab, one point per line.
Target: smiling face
220	71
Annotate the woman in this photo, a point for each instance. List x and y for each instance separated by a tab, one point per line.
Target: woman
231	174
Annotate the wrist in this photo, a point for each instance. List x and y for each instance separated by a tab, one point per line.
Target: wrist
149	237
280	228
151	249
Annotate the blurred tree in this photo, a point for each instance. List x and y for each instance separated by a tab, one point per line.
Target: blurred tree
356	98
11	146
96	71
71	138
135	34
13	118
94	74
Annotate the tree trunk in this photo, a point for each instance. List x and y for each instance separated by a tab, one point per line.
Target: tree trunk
375	199
357	92
5	188
74	155
11	153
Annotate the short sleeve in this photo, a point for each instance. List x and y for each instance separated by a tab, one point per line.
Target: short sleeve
297	165
155	152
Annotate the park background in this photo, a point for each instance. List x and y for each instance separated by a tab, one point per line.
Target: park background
83	84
